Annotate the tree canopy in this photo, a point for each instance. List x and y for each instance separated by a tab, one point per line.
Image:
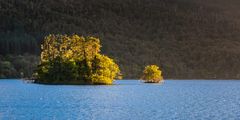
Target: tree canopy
152	74
75	60
189	39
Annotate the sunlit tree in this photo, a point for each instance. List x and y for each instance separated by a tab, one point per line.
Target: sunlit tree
75	58
152	74
104	70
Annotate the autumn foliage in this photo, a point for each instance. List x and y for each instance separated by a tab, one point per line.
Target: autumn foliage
152	74
75	60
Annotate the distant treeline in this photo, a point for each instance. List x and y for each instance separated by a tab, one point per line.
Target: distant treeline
18	66
187	38
17	44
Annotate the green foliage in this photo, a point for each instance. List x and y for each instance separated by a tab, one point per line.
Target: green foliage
57	71
18	43
188	38
104	70
75	60
7	69
152	74
20	66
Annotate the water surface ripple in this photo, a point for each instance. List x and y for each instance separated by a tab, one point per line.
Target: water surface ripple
127	100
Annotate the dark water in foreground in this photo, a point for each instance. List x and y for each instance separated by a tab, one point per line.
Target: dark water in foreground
127	100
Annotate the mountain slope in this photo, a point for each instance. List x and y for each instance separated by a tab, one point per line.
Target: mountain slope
188	39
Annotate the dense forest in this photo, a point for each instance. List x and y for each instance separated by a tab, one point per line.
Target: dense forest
188	39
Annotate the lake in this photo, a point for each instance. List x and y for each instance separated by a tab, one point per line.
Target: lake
127	100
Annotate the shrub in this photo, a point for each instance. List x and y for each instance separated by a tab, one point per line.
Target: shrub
152	74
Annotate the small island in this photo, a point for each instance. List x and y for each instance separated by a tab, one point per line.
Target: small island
152	74
75	60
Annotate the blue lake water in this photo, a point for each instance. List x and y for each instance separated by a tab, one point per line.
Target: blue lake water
127	100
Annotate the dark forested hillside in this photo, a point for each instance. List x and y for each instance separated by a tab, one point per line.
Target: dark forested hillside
187	38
